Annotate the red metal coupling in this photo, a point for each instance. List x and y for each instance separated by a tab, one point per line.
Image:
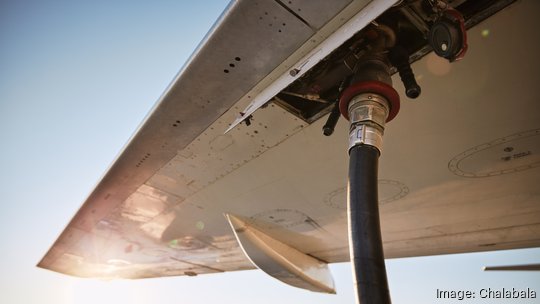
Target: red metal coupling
371	86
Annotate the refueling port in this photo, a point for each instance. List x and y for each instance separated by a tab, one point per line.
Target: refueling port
448	36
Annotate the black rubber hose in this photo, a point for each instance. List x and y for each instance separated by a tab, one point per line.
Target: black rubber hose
365	230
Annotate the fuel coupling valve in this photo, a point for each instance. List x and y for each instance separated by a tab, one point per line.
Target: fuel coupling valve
367	114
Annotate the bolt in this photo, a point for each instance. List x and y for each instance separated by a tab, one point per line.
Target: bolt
444	46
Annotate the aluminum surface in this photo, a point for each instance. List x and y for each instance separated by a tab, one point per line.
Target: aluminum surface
367	117
450	186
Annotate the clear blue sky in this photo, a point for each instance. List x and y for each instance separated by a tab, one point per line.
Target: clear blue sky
76	79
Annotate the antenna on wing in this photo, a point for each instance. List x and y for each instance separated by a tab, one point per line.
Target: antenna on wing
523	267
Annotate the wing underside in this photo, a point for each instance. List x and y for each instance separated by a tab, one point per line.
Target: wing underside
460	166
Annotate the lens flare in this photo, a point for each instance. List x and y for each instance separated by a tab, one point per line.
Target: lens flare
437	66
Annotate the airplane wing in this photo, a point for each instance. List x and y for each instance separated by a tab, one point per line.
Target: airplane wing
526	267
459	170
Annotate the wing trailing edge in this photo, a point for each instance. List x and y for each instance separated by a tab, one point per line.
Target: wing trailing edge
525	267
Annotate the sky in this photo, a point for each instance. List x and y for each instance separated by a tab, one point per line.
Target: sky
76	79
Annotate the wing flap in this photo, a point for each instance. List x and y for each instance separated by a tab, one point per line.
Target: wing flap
280	260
